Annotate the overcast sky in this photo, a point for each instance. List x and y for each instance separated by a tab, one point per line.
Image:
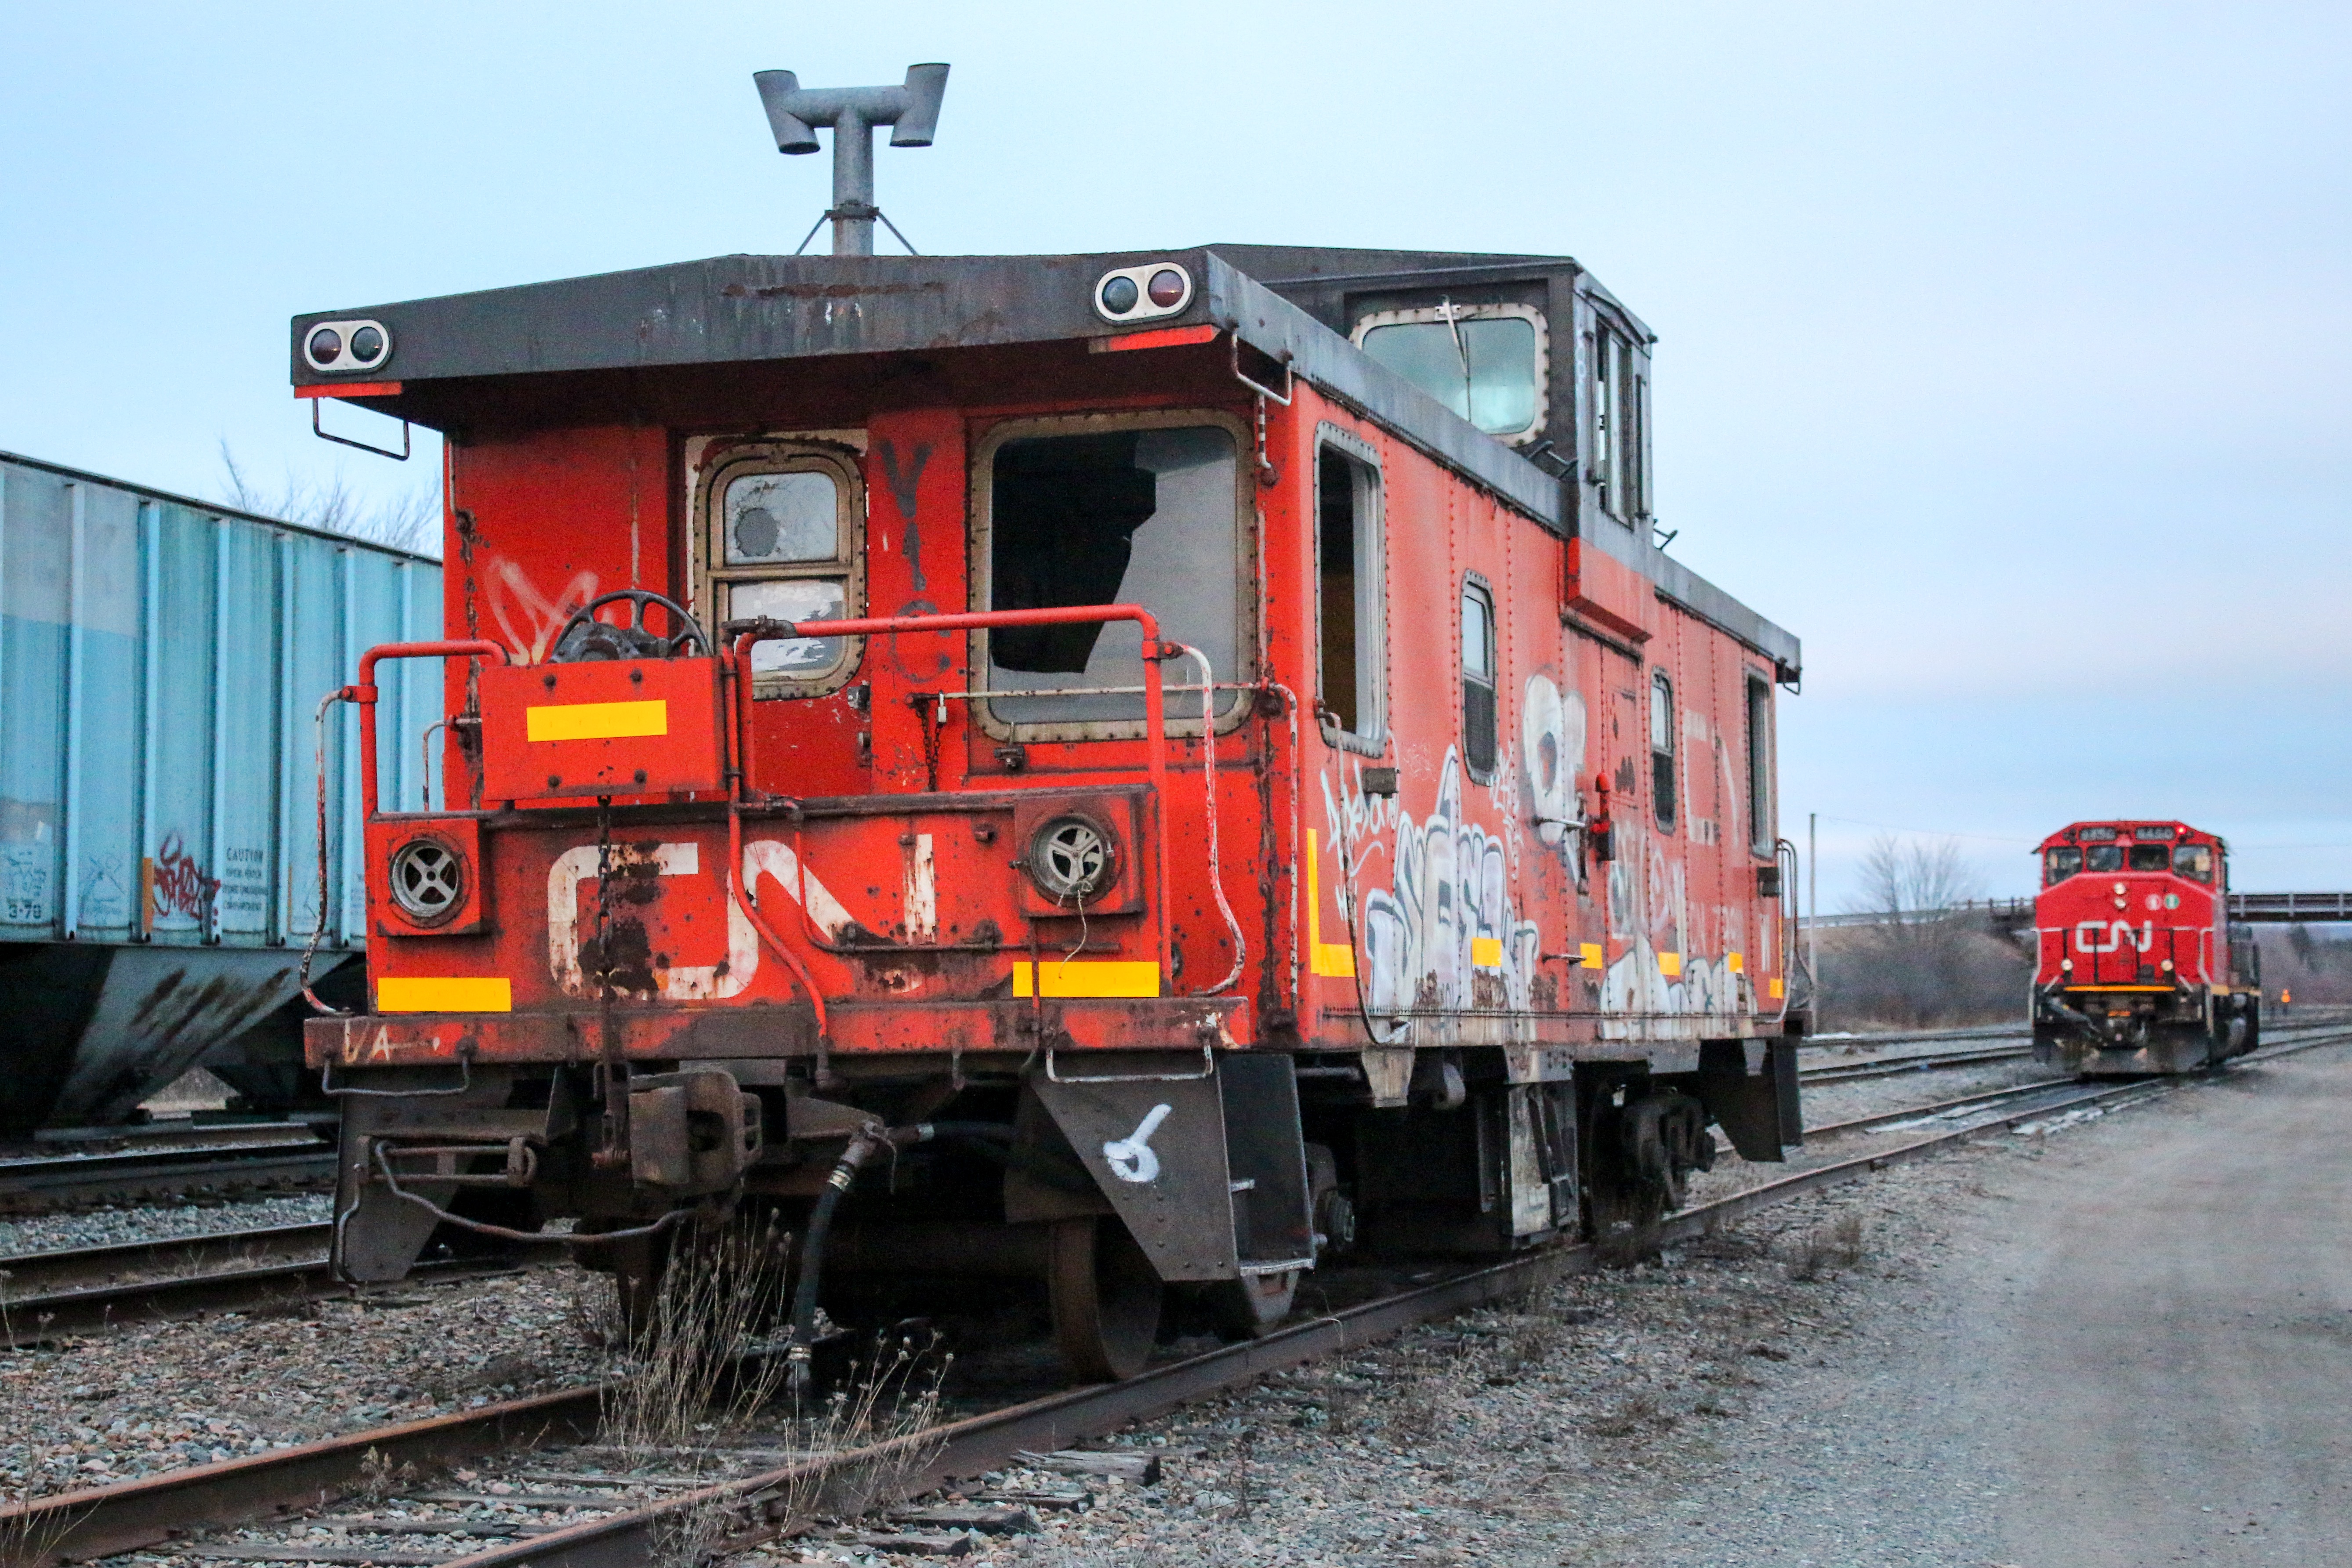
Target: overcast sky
2004	348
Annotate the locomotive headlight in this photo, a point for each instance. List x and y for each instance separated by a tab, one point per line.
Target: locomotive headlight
2066	964
1070	860
428	879
2168	966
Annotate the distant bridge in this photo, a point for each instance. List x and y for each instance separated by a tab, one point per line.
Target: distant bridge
2011	915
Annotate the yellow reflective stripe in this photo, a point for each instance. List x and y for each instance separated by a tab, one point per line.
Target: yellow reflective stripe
596	721
1779	990
1734	962
449	993
1485	952
1334	960
1588	955
1085	977
1670	964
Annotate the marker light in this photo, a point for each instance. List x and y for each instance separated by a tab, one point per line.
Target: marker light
341	347
1143	293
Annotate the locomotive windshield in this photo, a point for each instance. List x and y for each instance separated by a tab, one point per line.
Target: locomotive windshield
2194	861
2150	856
2105	857
2062	863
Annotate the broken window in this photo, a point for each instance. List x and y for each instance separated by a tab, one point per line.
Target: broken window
1139	517
780	541
1760	766
1478	681
1486	363
2060	863
1662	749
1350	582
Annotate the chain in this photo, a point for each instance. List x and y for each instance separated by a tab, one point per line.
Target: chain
603	896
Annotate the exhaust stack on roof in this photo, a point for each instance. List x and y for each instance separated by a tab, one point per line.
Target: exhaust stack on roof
911	110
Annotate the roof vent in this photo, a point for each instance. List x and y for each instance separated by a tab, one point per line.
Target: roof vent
911	110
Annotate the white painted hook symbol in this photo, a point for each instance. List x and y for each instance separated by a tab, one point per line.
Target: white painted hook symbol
1130	1158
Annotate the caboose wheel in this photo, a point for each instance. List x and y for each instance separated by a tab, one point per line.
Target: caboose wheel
1106	1299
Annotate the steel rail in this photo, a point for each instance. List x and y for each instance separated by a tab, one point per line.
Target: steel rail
1888	1067
128	1515
133	1172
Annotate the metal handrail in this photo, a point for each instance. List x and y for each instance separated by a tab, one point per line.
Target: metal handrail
363	693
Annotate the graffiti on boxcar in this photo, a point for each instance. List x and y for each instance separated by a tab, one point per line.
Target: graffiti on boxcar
528	618
180	886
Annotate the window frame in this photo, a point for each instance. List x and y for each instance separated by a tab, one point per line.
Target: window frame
1418	315
2051	875
1474	586
722	465
1665	799
1182	716
2181	852
1616	396
1763	836
1370	736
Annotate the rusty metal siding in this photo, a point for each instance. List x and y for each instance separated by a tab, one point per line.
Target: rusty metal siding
159	662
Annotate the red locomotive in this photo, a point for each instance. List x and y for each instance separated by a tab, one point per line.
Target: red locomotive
1127	771
2139	970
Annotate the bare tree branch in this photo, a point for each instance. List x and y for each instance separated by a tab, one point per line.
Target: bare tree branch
409	521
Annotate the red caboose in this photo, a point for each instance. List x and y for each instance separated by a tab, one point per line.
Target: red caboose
1138	770
2138	968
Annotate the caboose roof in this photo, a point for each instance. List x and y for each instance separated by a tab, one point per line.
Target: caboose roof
455	353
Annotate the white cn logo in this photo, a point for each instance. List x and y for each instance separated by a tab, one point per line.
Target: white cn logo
2117	933
1130	1158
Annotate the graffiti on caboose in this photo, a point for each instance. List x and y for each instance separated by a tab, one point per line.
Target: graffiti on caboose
528	618
1551	748
1445	932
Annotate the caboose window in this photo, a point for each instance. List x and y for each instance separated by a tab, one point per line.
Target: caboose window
1486	363
1478	681
1760	766
1136	515
2194	861
1661	748
778	540
1619	439
2150	856
2060	863
1348	584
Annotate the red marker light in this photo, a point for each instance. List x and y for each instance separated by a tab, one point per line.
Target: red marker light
1166	287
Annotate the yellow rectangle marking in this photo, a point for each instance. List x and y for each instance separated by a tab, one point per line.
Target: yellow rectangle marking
1735	962
1670	964
1485	952
1331	960
1779	990
1588	955
1087	977
450	993
596	721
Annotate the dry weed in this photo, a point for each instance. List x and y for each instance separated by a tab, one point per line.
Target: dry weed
1826	1249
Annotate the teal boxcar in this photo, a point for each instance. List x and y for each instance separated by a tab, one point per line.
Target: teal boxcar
161	662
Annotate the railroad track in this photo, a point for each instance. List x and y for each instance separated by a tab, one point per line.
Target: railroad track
35	1181
557	1499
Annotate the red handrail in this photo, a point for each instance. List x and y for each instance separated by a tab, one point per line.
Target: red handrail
1155	721
363	693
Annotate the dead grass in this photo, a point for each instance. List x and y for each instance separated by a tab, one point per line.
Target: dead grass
1827	1251
692	1373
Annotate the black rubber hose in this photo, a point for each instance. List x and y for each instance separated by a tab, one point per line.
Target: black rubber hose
803	1323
